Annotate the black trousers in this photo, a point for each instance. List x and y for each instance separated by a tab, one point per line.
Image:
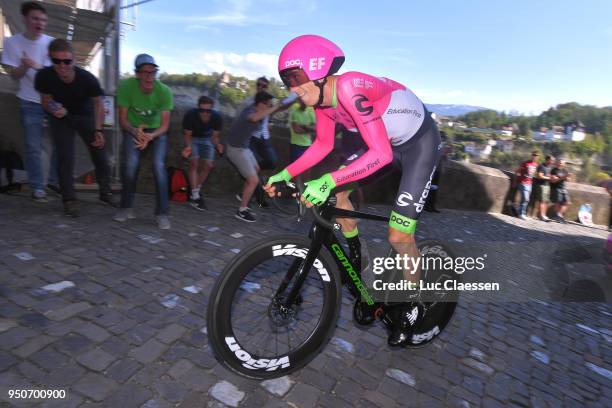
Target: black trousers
62	132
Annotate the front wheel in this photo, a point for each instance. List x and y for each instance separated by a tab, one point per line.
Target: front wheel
251	328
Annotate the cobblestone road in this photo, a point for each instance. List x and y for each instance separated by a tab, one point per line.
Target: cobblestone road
115	315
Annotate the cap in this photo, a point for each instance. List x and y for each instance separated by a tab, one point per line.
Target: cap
535	153
143	59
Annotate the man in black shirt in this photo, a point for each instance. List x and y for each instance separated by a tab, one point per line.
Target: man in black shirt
201	129
559	194
542	187
73	98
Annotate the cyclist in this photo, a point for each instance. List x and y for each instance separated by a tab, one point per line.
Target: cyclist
395	126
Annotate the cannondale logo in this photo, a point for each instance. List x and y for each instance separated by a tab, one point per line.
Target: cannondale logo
404	199
363	110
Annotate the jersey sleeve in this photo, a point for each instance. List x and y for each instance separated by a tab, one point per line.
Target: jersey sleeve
123	95
320	147
167	102
357	102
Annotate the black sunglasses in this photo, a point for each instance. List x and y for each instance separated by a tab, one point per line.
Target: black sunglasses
58	61
262	85
204	110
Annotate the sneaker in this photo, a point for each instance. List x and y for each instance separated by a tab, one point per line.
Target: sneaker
124	214
71	208
198	204
523	217
39	196
544	218
55	188
163	222
560	219
410	318
245	215
108	199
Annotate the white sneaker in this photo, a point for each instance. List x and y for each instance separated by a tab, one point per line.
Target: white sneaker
39	196
124	214
523	217
163	222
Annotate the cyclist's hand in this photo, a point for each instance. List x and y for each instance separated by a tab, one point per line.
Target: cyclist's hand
278	177
318	190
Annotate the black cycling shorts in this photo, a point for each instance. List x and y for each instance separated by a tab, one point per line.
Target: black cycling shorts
417	159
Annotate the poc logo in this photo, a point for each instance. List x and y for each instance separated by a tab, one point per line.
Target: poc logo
399	221
293	63
404	199
316	63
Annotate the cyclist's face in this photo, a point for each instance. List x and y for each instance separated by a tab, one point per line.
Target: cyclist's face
307	92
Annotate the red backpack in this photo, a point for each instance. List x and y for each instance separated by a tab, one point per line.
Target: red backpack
178	184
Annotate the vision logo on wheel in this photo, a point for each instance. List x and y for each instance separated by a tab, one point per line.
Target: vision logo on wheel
269	364
291	249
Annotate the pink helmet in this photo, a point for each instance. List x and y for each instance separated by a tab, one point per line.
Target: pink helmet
316	56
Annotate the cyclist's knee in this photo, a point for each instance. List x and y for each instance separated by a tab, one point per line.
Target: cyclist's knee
342	200
396	236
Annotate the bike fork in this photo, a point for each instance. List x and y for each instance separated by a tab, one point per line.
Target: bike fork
302	268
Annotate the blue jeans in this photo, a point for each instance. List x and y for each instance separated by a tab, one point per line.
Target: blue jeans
130	164
32	115
265	153
525	194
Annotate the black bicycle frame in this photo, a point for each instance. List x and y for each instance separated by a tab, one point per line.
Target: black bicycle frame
321	234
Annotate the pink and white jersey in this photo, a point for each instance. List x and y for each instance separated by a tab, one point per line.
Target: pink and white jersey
383	111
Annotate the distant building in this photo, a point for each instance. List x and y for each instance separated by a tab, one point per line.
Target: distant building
506	130
478	151
571	132
574	131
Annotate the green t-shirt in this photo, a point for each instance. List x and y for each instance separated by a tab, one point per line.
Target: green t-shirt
144	109
301	117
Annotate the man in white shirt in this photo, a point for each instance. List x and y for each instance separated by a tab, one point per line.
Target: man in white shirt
24	54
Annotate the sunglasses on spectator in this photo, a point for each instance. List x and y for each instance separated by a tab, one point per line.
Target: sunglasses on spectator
204	110
58	61
262	85
148	73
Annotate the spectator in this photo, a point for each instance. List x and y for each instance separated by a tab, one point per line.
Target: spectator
542	187
260	142
144	115
201	128
73	98
264	151
302	122
23	55
525	175
558	192
238	151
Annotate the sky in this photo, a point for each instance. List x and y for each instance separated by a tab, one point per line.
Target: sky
520	56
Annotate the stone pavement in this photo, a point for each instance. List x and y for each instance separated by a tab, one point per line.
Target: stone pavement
114	314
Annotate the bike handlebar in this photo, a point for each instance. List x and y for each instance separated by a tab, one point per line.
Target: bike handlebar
294	190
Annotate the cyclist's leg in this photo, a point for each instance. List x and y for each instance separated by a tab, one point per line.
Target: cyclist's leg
419	160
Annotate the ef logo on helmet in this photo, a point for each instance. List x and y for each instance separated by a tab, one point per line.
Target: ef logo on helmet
316	63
